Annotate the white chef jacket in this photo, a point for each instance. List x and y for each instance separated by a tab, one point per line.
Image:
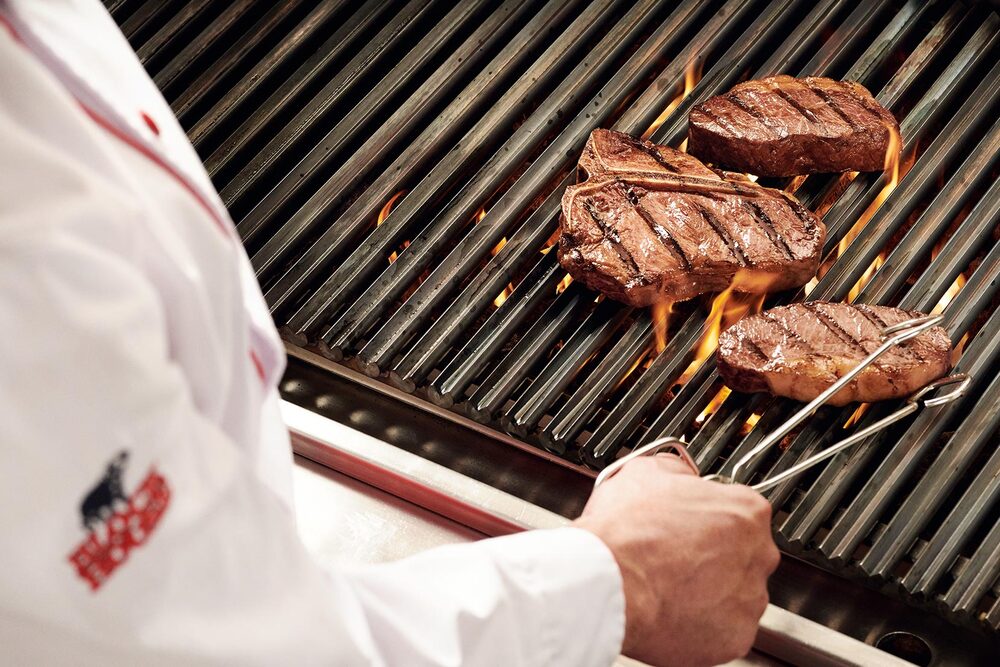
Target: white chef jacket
144	484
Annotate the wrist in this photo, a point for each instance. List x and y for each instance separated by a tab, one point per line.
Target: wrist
640	600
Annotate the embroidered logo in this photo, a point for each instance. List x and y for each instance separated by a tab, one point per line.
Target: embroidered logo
117	523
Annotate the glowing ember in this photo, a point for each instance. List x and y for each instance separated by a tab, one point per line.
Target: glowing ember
692	75
661	322
949	296
713	405
857	415
502	296
564	283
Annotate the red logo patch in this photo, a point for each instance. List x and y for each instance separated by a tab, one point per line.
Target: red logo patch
125	528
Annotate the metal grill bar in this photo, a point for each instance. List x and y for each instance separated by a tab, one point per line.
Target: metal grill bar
541	282
357	270
359	318
626	354
307	75
978	427
285	50
383	140
182	62
439	134
496	388
403	23
184	103
523	243
187	15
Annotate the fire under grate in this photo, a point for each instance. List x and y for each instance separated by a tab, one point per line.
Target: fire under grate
395	171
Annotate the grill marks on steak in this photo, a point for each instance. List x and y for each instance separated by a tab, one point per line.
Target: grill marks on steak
783	126
799	350
653	224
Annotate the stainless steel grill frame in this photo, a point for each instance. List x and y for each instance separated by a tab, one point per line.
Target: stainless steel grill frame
312	115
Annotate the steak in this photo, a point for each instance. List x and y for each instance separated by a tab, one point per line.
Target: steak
783	126
799	350
651	224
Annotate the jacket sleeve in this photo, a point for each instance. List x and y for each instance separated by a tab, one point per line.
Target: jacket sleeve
86	373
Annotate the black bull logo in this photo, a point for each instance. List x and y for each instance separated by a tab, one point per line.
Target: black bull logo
100	503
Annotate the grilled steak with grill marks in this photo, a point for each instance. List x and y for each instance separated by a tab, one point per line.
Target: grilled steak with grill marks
799	350
783	126
652	224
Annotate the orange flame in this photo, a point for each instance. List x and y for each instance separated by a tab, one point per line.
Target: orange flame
866	277
713	405
857	415
949	296
749	424
499	246
692	75
502	296
745	295
384	213
894	171
661	322
564	283
635	364
552	241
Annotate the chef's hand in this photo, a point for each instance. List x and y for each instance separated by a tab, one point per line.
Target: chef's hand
694	556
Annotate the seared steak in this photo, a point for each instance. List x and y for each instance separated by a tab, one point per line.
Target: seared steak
799	350
652	224
783	126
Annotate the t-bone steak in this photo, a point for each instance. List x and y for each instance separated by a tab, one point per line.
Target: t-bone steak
651	224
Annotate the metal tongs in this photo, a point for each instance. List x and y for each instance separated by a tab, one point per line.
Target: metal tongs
892	336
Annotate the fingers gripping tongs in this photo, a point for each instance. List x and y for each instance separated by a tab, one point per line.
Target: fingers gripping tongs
892	336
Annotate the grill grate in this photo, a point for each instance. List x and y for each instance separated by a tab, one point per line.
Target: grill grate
469	117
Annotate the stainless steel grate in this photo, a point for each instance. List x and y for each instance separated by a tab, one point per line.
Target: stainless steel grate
395	169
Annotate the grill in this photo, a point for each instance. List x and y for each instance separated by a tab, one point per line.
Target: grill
396	168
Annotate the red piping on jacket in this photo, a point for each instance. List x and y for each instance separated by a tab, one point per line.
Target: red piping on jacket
157	160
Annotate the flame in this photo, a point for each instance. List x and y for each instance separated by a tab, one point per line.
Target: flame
866	277
635	364
811	285
499	246
949	296
856	415
745	295
894	171
692	75
502	296
749	424
661	322
479	215
552	241
384	213
564	283
713	405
